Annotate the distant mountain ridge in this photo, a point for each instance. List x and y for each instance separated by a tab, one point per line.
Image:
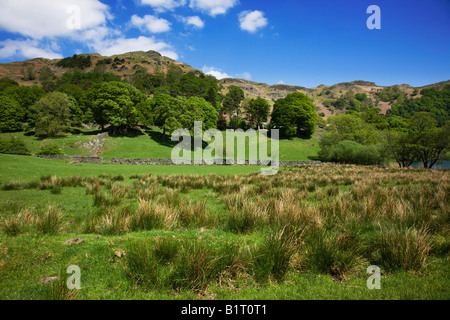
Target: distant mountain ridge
125	65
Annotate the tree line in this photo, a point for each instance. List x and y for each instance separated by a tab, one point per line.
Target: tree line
416	129
169	100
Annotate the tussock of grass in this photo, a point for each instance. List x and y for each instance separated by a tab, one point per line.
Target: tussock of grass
51	222
404	249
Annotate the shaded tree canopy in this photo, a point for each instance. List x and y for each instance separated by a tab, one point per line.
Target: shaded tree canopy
257	111
53	114
11	114
114	103
173	113
294	115
232	102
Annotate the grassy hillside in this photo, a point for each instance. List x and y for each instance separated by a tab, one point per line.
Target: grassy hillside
150	144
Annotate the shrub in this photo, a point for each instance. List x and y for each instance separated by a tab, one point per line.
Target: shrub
13	146
50	149
76	61
348	151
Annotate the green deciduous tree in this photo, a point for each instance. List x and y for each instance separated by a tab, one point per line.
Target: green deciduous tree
232	102
432	144
11	114
53	114
257	111
422	141
434	101
172	113
26	96
373	116
294	115
402	148
114	103
6	83
45	74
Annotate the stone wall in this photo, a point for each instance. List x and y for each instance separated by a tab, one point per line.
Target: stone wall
142	161
168	162
205	162
80	159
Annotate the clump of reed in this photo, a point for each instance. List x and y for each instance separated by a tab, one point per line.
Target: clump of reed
244	216
58	290
184	265
148	216
334	253
193	213
16	224
272	258
144	268
51	222
404	248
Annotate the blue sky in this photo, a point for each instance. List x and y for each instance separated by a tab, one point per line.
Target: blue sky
297	42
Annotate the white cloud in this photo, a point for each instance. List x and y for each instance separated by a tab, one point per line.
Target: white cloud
123	45
44	23
27	49
151	23
281	82
49	18
213	7
164	5
252	21
216	73
195	21
245	75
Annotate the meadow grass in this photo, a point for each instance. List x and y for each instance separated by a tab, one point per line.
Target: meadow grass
223	233
151	144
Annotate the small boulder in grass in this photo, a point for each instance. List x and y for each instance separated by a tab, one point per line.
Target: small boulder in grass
73	241
46	280
119	253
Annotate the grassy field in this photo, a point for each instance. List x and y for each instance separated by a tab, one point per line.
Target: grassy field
219	232
150	144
